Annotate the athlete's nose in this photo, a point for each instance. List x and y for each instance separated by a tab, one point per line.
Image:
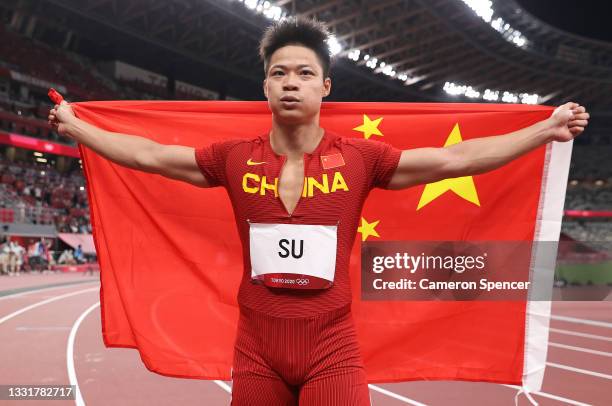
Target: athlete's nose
290	82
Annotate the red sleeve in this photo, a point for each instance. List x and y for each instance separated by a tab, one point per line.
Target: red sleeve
212	160
380	160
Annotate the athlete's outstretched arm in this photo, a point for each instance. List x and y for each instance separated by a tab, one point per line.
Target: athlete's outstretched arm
427	165
172	161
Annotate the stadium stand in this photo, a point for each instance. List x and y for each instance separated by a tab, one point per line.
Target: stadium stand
40	194
80	80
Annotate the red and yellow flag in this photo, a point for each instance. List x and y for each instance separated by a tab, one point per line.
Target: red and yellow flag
171	259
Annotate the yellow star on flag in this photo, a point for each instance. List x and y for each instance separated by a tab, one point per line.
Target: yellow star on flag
463	186
367	229
369	127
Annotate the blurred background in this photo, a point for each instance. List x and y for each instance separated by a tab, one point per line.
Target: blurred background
470	51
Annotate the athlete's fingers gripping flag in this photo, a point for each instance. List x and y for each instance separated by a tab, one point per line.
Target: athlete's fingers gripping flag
171	258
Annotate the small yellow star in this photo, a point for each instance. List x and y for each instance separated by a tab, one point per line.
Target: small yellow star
369	127
367	229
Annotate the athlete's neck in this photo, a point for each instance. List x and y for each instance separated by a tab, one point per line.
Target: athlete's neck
295	140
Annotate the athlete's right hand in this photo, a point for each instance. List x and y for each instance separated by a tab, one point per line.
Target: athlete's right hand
60	116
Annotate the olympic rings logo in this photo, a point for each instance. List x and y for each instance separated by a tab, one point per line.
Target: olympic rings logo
302	282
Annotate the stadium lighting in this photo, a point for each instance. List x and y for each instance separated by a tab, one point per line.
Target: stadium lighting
387	70
509	97
266	8
454	89
334	46
413	79
43	160
354	55
38	154
272	12
484	10
527	98
81	188
471	93
490	95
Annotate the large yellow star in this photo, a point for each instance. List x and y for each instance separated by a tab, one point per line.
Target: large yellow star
369	127
367	229
464	186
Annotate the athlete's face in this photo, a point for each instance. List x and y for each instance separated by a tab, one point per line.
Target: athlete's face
294	84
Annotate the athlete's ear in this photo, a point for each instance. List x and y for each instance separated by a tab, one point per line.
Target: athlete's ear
265	88
326	87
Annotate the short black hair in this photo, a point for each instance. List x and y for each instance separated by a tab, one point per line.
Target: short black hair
307	32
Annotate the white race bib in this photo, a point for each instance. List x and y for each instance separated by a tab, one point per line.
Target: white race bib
296	256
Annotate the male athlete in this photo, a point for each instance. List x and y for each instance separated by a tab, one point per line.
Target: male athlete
296	340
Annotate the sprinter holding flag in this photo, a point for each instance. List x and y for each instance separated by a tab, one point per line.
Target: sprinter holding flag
297	195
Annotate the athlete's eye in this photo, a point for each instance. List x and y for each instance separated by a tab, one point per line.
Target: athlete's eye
275	72
307	72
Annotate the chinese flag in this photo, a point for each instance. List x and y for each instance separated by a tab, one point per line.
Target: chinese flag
171	261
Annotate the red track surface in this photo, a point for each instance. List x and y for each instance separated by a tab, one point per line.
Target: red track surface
33	350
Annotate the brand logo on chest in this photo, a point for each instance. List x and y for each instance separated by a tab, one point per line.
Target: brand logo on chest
256	184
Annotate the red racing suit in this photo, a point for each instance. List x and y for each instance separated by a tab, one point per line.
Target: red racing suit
338	176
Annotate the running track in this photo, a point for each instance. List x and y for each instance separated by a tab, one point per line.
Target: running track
50	334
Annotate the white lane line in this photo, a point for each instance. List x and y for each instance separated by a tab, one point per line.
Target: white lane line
28	292
583	321
224	386
580	349
44	302
577	334
70	355
395	395
555	397
580	371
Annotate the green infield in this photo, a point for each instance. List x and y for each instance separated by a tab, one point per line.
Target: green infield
585	274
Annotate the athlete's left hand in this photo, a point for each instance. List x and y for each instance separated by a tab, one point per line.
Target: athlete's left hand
568	121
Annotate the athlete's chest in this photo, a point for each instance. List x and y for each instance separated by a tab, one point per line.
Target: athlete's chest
317	188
